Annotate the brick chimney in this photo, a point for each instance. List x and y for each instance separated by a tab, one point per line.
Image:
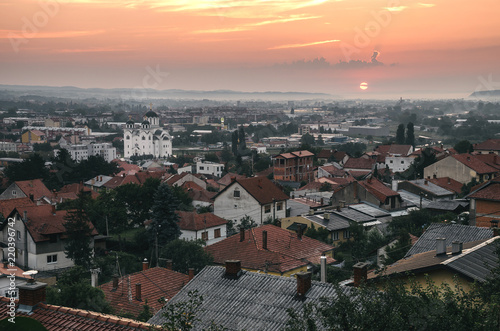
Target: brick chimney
145	265
31	294
242	234
299	233
191	273
115	281
168	264
233	269
138	292
360	273
440	246
264	239
53	209
303	283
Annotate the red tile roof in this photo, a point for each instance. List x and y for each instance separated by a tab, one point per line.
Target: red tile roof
138	178
35	187
488	145
492	160
448	183
378	189
394	149
58	318
334	171
359	163
155	283
202	195
474	163
189	185
8	205
284	251
292	155
226	179
194	222
75	189
262	189
42	222
327	153
488	192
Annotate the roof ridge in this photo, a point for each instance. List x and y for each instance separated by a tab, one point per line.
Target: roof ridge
470	250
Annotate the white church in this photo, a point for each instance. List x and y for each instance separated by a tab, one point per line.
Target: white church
148	139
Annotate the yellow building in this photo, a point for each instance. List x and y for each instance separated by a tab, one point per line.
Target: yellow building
33	137
462	265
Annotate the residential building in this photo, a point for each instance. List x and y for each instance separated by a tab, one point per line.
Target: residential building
8	146
256	197
490	146
243	300
427	189
332	155
40	237
128	294
34	189
294	166
148	139
464	264
448	183
206	226
31	304
228	179
462	168
180	179
33	137
485	204
82	152
271	249
360	166
331	170
209	168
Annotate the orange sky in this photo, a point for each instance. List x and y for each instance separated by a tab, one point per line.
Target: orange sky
442	46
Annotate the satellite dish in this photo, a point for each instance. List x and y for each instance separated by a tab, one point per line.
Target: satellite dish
30	273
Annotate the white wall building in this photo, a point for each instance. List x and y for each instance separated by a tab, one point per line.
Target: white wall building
149	139
209	168
82	152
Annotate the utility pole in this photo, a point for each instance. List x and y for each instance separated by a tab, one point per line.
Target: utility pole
156	244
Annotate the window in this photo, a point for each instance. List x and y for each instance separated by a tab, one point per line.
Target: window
402	162
390	161
217	233
19	235
335	235
204	235
236	193
347	234
267	209
202	168
52	258
14	192
127	137
143	138
279	206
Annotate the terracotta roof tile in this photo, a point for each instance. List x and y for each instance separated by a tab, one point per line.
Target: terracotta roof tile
226	179
474	163
262	189
488	145
448	183
284	250
378	189
195	222
359	163
155	283
8	205
488	192
35	187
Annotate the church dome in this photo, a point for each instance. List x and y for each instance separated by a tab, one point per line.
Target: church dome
145	123
151	114
130	122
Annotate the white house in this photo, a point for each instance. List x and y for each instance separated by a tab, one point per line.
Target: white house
209	168
149	139
39	237
207	227
82	152
256	197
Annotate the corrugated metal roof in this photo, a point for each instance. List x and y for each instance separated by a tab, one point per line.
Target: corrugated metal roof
451	232
251	302
369	210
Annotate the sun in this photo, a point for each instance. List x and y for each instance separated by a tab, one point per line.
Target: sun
363	86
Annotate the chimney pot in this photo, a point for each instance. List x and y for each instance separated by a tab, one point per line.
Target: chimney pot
264	239
191	273
360	273
145	265
303	283
242	234
233	269
426	182
323	268
138	294
299	233
456	247
338	208
440	246
168	264
326	216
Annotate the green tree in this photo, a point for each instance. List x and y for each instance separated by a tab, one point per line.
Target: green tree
400	134
145	313
463	146
410	134
187	254
73	290
234	142
78	231
307	139
31	168
242	145
182	315
164	220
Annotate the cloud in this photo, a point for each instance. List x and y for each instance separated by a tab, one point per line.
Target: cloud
426	5
306	44
396	9
252	26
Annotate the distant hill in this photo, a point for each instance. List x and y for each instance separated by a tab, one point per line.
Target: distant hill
130	93
492	94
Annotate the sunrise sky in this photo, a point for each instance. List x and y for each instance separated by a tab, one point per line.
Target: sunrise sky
398	47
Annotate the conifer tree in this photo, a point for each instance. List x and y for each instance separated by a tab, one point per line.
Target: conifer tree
163	216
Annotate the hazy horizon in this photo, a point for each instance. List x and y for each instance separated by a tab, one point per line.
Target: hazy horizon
399	48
